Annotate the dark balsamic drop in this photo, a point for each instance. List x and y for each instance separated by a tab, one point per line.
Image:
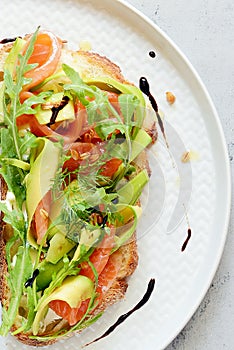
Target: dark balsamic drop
104	221
184	246
123	317
152	54
145	88
8	40
29	282
55	110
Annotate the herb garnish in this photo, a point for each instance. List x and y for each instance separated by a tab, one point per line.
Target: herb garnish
15	147
84	192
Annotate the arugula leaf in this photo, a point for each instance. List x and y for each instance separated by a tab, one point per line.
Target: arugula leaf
128	104
27	142
107	127
16	219
26	107
11	103
14	147
9	246
31	311
16	279
102	114
15	150
96	101
12	175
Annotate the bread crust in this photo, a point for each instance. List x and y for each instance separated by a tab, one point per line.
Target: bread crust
102	64
128	252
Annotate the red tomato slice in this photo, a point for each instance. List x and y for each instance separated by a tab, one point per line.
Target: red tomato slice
91	155
110	168
114	100
112	97
41	217
75	151
47	52
90	136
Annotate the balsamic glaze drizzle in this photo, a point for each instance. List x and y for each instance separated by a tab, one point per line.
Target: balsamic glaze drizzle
29	282
9	40
145	88
104	221
123	317
55	110
152	54
184	246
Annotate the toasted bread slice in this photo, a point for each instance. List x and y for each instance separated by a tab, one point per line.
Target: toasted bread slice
90	65
128	255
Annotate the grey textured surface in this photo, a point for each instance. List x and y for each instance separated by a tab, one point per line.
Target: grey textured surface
204	31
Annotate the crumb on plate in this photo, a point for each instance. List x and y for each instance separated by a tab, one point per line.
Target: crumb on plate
170	97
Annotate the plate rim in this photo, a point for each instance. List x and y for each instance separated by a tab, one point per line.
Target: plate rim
226	164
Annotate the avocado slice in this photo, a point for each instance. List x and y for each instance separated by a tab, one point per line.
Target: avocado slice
131	191
44	164
59	246
44	111
73	290
46	271
109	83
12	57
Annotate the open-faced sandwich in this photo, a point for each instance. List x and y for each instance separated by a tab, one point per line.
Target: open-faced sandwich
73	166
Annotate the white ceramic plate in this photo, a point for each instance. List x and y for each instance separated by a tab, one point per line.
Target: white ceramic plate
202	186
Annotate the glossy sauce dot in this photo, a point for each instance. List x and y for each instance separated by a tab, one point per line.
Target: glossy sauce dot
152	54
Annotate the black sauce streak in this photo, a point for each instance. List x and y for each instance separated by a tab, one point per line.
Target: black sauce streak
56	110
145	88
29	282
9	40
104	221
123	317
152	54
184	246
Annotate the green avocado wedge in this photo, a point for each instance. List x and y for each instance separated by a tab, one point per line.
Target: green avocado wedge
44	164
73	290
109	83
46	272
59	246
44	112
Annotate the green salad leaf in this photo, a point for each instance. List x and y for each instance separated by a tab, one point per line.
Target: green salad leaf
17	277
